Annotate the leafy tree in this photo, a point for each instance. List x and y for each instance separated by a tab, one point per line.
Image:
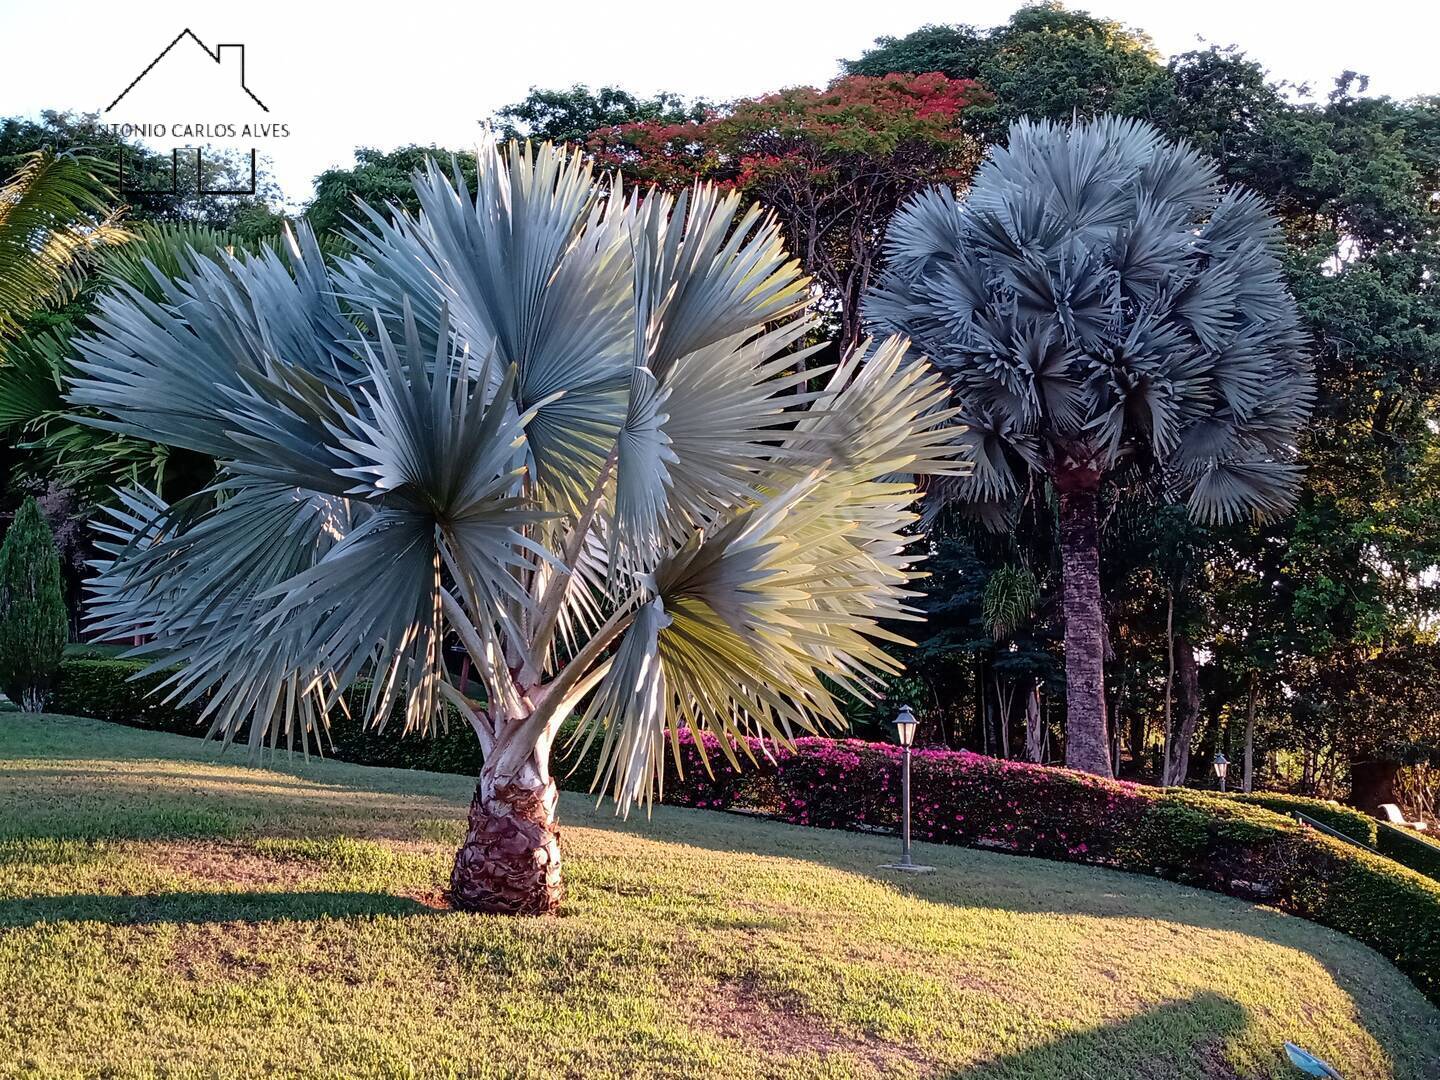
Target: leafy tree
569	433
834	165
33	625
377	179
1098	302
1045	63
570	116
1355	179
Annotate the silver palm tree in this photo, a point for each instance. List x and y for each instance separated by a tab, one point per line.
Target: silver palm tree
559	423
1099	300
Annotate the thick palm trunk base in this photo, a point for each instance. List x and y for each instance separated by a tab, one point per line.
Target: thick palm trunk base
510	861
1086	738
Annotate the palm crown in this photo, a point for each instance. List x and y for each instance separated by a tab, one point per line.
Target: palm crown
562	424
1099	298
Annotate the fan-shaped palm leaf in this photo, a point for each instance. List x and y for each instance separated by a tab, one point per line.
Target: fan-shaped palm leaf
56	214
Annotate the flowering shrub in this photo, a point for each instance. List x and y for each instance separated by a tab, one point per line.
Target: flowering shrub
719	786
834	163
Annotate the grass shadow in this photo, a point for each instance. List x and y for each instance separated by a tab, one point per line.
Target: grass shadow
973	878
1199	1025
204	907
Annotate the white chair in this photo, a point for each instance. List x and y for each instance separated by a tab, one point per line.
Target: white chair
1395	816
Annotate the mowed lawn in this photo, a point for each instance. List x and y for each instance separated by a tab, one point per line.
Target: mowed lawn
168	912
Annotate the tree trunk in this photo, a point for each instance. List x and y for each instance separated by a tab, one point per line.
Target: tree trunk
1372	783
1003	700
1177	768
1086	742
1138	729
1034	729
1168	720
510	861
1247	780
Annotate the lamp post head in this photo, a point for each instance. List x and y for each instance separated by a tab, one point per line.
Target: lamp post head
905	724
1222	765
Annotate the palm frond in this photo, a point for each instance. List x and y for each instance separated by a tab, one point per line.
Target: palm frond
1097	296
56	214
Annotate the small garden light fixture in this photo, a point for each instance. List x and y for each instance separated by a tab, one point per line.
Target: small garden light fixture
905	725
1222	768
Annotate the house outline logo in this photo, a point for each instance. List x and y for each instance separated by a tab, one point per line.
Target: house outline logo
153	130
214	54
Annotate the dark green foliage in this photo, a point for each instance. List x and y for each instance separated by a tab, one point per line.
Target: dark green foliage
1353	823
107	689
249	215
378	179
33	622
1046	62
571	115
1410	848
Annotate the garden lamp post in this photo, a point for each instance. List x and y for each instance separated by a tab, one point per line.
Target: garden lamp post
905	724
1222	768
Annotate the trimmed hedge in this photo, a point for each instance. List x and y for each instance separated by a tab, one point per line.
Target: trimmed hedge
107	690
1227	844
1353	823
1413	849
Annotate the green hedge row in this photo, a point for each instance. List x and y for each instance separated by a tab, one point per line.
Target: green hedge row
1356	824
1405	846
108	690
1413	849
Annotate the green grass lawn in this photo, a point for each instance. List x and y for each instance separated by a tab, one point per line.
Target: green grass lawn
168	912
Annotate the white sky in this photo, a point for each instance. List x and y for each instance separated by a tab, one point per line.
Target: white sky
423	71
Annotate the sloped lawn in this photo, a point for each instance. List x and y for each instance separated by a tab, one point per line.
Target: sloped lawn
167	912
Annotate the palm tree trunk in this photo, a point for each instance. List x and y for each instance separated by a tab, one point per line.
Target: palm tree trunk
1086	743
510	861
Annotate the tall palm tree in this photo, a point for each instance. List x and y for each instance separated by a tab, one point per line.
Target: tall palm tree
561	425
55	214
1099	300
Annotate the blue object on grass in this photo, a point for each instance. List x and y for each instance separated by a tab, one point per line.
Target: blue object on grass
1308	1063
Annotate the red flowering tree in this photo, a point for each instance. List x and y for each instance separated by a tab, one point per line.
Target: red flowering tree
835	164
